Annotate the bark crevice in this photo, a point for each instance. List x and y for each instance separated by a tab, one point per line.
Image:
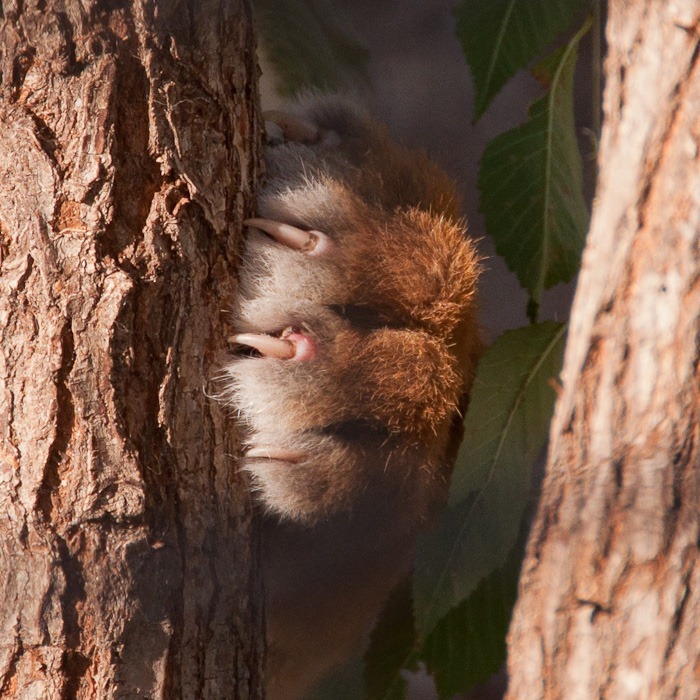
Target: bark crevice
65	415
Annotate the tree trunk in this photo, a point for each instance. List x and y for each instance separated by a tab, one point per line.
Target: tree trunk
609	601
128	158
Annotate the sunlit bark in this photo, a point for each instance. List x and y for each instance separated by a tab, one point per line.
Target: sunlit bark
609	602
128	159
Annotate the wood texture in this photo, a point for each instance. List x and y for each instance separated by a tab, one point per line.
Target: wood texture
609	602
128	159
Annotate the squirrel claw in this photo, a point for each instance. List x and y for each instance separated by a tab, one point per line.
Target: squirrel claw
266	345
290	345
309	242
293	128
272	452
281	127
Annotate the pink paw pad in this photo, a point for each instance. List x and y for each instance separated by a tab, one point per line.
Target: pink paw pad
305	347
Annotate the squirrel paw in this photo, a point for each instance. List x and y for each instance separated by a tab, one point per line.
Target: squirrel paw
355	322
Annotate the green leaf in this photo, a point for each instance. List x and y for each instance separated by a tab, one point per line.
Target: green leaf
391	648
308	45
469	644
532	188
510	407
500	36
506	429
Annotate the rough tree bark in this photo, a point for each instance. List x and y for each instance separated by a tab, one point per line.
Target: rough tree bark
609	602
128	132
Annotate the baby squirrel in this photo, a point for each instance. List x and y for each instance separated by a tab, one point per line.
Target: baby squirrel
358	336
